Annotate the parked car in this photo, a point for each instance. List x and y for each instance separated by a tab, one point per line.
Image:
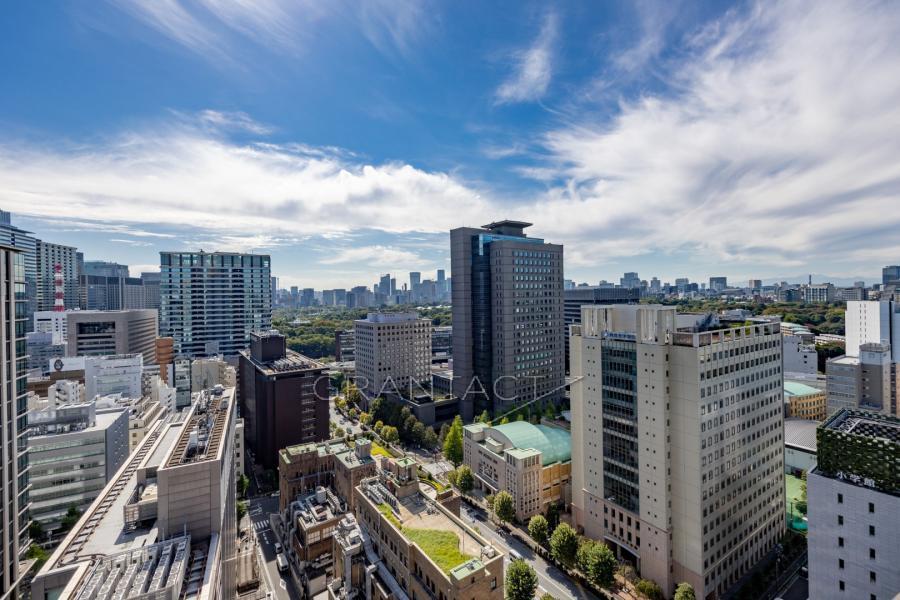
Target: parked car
278	548
281	562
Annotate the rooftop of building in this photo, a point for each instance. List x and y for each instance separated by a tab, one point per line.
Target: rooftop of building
391	317
291	362
102	420
201	435
507	223
801	433
865	424
446	540
795	388
554	443
102	529
844	360
320	448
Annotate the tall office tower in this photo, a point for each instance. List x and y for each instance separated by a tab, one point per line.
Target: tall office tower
415	278
27	244
655	285
677	449
102	268
49	256
854	500
150	287
328	297
384	285
717	284
755	284
99	333
393	353
284	397
508	325
211	301
340	297
308	297
13	428
873	321
890	274
295	296
630	280
393	285
274	281
575	298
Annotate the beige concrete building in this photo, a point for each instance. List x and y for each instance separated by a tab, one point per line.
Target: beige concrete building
531	462
867	381
332	464
804	401
395	521
677	443
142	414
393	352
209	372
100	332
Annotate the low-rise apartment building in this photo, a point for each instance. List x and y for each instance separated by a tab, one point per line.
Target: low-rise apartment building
333	464
531	462
804	401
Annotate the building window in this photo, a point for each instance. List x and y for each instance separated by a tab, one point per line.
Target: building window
840	563
872	553
871	576
840	519
840	542
871	507
841	585
871	530
840	498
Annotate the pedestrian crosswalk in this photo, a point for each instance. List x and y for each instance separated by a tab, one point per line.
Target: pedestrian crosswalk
260	526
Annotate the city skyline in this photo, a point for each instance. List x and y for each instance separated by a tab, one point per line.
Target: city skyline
694	141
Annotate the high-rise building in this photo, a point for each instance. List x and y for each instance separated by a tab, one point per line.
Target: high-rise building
150	287
718	284
211	301
340	297
308	297
873	321
393	353
415	278
344	345
284	397
51	257
102	268
14	426
854	500
575	298
98	333
27	244
755	285
677	449
890	274
630	280
819	292
508	324
52	321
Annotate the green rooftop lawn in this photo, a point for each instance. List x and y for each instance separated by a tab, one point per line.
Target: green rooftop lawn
378	449
792	485
440	546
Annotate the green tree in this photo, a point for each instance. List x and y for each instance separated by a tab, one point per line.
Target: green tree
241	508
484	417
504	507
72	516
684	591
489	501
365	418
390	434
539	529
38	554
36	530
521	581
418	433
453	477
430	438
649	589
445	429
504	420
465	480
548	597
453	443
243	484
597	562
564	545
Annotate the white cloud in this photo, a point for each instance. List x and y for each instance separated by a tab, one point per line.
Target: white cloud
533	67
376	256
216	29
776	145
179	175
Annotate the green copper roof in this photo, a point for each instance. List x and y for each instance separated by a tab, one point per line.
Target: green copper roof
795	388
554	443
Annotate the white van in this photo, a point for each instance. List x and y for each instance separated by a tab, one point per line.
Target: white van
281	562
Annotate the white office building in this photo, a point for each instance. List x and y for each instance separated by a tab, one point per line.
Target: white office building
115	374
873	322
677	443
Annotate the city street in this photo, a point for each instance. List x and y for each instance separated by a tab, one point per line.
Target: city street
258	511
550	579
339	419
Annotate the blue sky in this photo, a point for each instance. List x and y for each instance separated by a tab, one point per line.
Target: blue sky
346	138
